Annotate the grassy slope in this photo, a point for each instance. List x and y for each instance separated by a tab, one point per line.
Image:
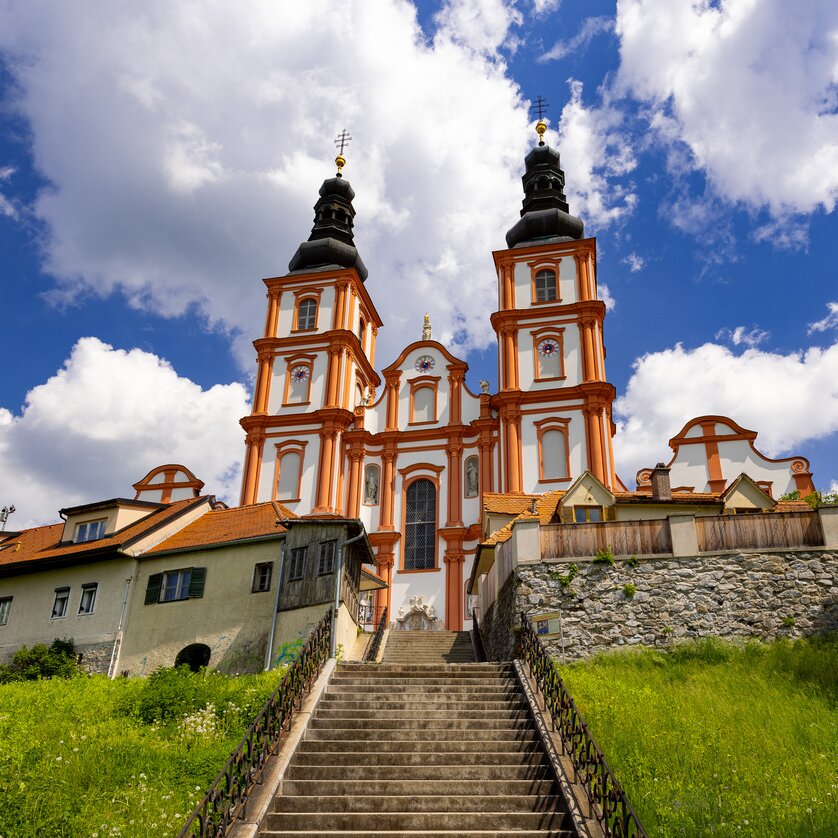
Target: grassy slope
714	739
72	762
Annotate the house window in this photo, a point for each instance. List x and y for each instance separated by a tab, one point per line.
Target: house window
262	574
297	565
587	514
59	605
5	608
88	597
545	286
420	526
176	585
306	314
90	531
326	559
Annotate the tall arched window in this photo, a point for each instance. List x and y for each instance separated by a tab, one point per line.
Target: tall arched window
545	286
420	526
289	468
307	314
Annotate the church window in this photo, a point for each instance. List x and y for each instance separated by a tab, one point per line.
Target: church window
5	608
420	526
545	286
88	597
326	557
262	573
554	459
472	480
297	564
423	399
59	605
90	531
288	478
372	480
306	314
587	514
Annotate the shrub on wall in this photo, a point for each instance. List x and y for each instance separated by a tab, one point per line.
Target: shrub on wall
58	660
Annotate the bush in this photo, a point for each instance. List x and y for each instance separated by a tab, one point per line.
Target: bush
58	660
604	557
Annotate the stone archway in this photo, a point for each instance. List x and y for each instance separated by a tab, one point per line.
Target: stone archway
417	615
195	656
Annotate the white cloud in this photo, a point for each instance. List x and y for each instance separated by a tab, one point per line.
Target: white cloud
591	27
542	7
634	261
742	336
7	205
605	295
595	154
784	233
770	393
828	322
104	420
748	89
181	181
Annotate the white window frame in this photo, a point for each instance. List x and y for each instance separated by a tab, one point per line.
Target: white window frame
87	603
90	531
5	609
61	594
181	588
262	577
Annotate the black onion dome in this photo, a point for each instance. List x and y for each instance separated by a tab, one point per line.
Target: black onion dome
545	214
331	243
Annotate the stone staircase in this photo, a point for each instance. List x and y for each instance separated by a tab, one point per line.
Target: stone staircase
416	647
411	749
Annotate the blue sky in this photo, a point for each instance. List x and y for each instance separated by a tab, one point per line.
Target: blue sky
157	161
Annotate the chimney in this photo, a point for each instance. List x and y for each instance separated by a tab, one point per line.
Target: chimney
661	488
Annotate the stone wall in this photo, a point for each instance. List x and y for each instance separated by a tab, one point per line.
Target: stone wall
498	625
766	594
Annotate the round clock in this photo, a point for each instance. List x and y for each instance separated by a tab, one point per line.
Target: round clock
548	347
299	373
424	363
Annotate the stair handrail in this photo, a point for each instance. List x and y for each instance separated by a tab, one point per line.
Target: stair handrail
606	797
372	650
227	796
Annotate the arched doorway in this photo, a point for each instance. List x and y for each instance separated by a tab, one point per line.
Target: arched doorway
195	656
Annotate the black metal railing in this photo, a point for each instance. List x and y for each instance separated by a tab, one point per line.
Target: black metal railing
606	798
375	644
227	797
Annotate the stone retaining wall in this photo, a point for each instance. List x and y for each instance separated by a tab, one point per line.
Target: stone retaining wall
765	594
498	624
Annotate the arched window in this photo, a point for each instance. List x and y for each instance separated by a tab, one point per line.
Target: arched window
424	404
545	286
420	526
288	477
472	481
307	314
553	450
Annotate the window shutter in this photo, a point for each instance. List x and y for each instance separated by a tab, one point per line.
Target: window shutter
196	582
152	592
567	514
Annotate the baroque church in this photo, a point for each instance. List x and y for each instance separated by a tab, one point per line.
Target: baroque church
413	454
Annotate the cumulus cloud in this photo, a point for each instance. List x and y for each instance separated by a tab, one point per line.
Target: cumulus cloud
828	322
759	119
742	336
180	182
634	261
7	205
542	7
597	153
104	420
591	27
767	392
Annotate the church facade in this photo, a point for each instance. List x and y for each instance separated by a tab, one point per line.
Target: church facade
412	451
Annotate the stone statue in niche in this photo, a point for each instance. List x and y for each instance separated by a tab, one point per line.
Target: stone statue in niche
484	386
371	485
471	477
426	327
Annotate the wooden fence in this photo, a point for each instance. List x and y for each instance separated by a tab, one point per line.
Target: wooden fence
746	532
622	538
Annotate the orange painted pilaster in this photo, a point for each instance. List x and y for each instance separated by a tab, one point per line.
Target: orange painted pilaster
454	559
513	452
347	379
455	499
353	501
392	385
387	486
339	319
589	364
371	353
272	316
332	373
263	382
253	462
384	567
583	277
507	270
324	468
455	397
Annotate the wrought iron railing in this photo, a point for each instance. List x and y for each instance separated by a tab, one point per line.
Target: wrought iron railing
375	644
606	798
227	797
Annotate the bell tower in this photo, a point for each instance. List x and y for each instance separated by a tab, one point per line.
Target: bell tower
553	402
315	363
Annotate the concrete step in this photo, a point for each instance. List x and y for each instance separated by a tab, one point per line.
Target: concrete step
425	833
452	773
414	723
402	702
428	712
418	680
417	803
500	758
526	734
478	788
363	748
326	821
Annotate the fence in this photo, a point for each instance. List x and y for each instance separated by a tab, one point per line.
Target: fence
622	538
744	532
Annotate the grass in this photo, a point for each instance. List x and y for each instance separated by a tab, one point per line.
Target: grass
713	738
93	757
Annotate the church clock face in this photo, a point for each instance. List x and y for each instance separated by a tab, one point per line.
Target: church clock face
425	363
299	374
548	348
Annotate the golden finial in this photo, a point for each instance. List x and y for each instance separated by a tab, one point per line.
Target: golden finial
540	128
540	105
342	140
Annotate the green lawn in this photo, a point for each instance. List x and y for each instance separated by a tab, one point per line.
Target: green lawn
717	739
93	757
